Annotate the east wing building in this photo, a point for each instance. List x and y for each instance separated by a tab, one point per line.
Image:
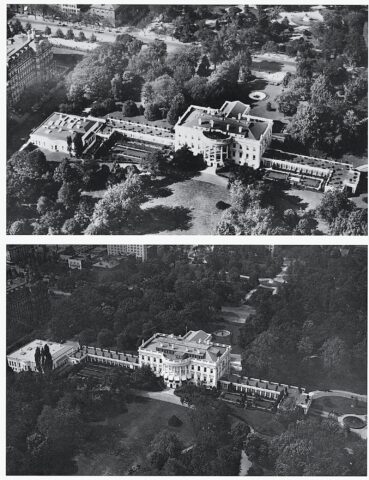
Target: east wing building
24	358
228	133
29	60
191	358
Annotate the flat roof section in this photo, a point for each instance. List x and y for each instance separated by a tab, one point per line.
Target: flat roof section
27	352
195	344
205	119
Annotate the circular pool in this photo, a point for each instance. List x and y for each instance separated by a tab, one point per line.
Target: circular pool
354	422
222	333
257	95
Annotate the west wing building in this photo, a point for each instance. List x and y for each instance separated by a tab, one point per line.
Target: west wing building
191	358
228	133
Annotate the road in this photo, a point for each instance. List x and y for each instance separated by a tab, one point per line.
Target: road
145	35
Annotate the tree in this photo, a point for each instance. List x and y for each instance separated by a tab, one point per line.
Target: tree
44	204
118	210
152	112
354	222
77	144
47	31
185	160
203	69
21	227
335	356
332	204
164	446
68	195
177	108
129	108
105	338
70	34
59	33
93	38
81	36
155	163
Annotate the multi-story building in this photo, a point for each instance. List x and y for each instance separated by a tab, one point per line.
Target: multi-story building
27	303
24	358
105	12
29	60
70	8
19	253
139	251
191	358
228	133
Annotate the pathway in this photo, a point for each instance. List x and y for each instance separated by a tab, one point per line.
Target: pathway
166	395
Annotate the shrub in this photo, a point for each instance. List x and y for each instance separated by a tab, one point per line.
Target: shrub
174	421
222	205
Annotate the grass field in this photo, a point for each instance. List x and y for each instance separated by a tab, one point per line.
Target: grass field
190	209
263	422
123	441
341	405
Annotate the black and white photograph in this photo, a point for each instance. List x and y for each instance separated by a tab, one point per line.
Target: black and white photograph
205	360
187	119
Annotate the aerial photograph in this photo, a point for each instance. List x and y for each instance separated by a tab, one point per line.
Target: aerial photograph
244	360
187	119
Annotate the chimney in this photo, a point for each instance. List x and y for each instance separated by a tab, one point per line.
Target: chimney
227	126
212	123
239	129
239	116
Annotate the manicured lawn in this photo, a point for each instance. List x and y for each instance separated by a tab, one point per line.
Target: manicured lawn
263	422
341	405
190	209
123	441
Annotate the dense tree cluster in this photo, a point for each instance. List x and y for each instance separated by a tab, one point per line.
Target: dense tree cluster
164	294
329	117
47	418
44	197
216	449
314	331
255	210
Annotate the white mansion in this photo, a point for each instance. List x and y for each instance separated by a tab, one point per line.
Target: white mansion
193	358
225	135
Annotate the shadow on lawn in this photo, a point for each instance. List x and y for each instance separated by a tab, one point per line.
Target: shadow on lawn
159	218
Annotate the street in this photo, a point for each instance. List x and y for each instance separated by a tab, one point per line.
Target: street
145	35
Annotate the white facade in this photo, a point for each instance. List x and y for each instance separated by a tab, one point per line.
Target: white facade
75	263
139	251
24	358
71	8
228	133
193	358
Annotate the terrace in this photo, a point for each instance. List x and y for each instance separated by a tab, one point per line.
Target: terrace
337	175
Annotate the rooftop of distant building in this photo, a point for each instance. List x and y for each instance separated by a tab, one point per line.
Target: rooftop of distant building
195	344
16	43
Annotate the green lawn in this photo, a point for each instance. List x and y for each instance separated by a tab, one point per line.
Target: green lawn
123	441
263	422
341	405
190	209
